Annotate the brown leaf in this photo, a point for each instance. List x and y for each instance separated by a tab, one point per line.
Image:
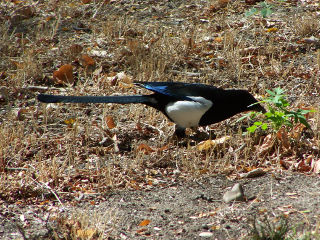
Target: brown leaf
87	61
303	167
217	5
267	145
141	231
218	39
190	43
24	12
144	223
272	29
165	147
16	1
282	135
21	113
122	77
70	122
85	233
215	227
75	49
134	185
110	122
139	127
284	164
44	202
297	131
251	2
63	75
145	148
208	144
316	166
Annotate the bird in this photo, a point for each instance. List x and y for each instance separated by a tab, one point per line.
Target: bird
188	105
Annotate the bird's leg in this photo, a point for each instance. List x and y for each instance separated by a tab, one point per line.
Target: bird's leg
180	132
201	134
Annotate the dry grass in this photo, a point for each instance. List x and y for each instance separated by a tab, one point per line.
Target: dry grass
85	224
38	148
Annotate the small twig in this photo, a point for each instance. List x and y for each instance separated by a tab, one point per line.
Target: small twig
41	88
16	169
190	74
56	26
155	128
240	148
51	190
21	230
94	15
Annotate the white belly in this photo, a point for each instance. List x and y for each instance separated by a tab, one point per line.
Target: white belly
188	113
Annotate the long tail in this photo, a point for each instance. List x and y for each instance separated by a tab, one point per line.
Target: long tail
94	99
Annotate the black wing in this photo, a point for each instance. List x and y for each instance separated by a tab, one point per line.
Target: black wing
178	89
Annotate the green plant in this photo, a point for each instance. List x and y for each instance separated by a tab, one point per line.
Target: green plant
262	230
277	114
265	10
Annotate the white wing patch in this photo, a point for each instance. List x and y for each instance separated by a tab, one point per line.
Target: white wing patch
188	113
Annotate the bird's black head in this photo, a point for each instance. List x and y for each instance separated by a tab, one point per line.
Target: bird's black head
248	102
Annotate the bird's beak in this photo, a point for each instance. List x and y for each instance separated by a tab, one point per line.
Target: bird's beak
257	107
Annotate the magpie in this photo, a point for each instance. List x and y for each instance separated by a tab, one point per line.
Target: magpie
188	105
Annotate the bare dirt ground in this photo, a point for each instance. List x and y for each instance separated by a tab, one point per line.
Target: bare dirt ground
113	171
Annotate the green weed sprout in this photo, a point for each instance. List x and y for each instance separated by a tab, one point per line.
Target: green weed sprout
265	10
277	114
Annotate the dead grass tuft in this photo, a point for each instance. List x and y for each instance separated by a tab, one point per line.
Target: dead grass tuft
307	26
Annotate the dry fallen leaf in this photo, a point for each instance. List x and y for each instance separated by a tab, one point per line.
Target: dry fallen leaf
303	167
285	164
218	39
282	135
165	147
208	144
75	49
21	113
16	1
87	61
110	122
144	223
63	75
297	131
316	166
272	29
267	145
122	77
217	5
141	231
85	234
215	227
70	122
144	148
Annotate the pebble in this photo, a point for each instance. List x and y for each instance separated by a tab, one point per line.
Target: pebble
254	173
235	194
206	234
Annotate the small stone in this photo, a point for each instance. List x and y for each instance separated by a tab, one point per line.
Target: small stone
205	226
254	173
206	234
236	194
4	95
